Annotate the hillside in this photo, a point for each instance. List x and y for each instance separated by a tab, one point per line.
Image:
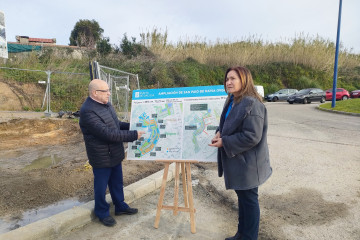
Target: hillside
300	64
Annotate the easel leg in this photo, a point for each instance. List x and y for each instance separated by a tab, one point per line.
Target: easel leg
176	189
191	202
162	193
183	176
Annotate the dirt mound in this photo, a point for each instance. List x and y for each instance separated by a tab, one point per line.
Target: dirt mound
43	161
29	132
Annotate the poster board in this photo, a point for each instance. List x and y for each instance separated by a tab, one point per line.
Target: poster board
179	123
3	43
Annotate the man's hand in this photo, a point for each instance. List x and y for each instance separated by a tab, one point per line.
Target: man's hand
140	133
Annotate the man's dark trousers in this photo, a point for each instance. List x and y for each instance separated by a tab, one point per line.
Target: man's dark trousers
113	178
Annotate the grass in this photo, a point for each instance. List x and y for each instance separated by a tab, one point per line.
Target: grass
351	106
300	62
315	52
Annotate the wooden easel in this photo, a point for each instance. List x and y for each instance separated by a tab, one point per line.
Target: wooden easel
187	190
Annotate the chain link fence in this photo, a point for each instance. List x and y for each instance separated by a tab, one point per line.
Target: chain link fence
121	85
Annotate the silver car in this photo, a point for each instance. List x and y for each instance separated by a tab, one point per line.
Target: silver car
282	94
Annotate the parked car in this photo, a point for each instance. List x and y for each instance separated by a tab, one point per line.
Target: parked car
341	94
355	94
282	94
307	95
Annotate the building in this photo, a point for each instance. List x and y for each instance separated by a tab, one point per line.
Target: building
35	41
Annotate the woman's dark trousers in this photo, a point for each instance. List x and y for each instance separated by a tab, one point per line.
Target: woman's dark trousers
249	213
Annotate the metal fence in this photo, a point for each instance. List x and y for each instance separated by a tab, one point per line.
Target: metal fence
46	90
66	91
121	85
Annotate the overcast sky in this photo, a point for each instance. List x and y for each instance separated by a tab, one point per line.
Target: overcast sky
230	20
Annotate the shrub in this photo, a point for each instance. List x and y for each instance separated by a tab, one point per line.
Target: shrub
103	47
305	82
160	76
131	48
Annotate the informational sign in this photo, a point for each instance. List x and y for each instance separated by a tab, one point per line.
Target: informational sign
3	43
179	123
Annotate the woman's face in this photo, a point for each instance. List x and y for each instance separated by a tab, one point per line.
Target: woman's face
233	82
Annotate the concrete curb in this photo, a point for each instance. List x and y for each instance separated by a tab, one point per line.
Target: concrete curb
81	215
339	112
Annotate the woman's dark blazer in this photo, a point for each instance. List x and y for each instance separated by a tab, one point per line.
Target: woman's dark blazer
104	134
244	157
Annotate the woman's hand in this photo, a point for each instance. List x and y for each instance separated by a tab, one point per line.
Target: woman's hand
216	141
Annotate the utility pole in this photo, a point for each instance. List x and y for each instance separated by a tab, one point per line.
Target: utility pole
336	57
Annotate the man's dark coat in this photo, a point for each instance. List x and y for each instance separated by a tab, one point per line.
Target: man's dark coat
103	134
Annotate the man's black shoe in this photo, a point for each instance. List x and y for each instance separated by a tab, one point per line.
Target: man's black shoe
128	211
108	221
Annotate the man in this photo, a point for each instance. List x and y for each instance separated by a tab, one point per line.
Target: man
104	135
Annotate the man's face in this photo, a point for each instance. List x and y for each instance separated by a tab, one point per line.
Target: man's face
102	93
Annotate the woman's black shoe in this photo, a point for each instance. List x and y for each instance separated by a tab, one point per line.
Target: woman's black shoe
236	237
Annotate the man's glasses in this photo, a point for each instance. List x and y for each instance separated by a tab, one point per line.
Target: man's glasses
103	90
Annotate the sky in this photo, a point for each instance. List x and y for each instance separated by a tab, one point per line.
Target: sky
188	20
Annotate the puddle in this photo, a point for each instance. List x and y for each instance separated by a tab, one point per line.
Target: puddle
11	223
43	162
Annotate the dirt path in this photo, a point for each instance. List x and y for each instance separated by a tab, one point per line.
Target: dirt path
43	161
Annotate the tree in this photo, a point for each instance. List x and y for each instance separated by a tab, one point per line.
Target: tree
86	33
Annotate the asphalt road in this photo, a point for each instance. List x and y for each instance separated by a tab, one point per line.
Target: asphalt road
314	192
305	122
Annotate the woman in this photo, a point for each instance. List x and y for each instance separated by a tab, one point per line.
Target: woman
243	154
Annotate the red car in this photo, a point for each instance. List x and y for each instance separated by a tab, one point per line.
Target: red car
355	94
341	94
